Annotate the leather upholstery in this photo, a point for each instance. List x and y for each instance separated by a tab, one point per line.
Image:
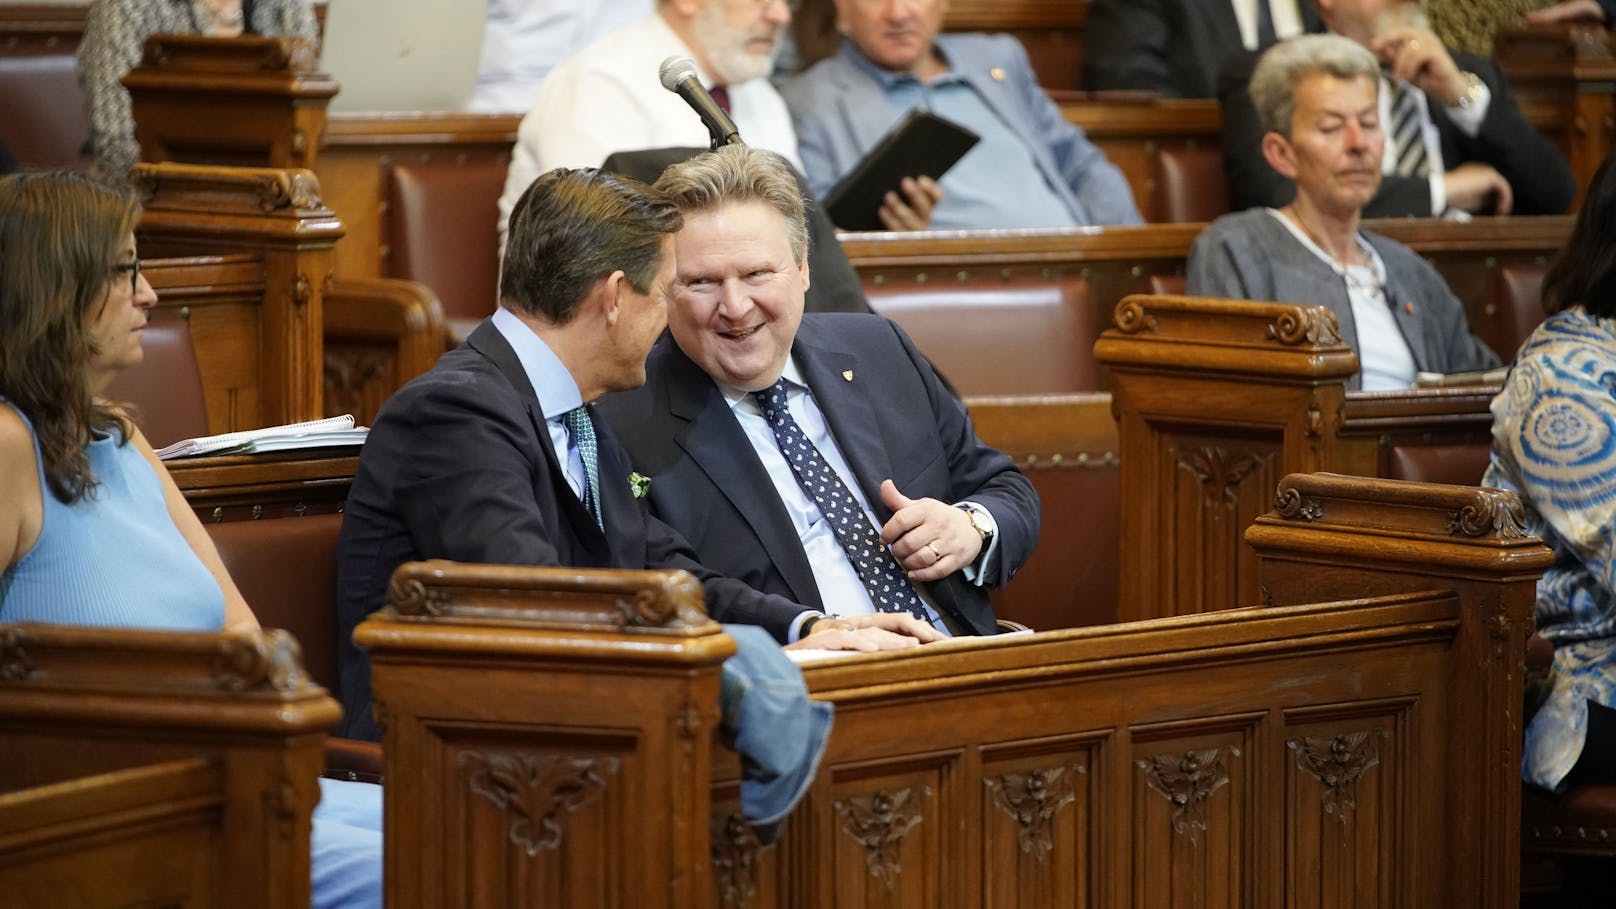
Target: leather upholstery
1023	336
166	386
1517	308
42	110
444	221
1175	285
1458	464
1082	514
1191	183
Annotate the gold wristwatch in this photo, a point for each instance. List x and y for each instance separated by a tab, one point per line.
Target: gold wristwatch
981	523
1472	90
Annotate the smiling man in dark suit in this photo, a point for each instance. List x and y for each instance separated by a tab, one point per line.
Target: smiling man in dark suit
817	458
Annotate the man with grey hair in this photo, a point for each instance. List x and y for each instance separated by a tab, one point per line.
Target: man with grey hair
814	457
609	97
1456	143
1319	97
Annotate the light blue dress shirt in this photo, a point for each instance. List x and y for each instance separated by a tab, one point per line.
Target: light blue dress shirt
557	390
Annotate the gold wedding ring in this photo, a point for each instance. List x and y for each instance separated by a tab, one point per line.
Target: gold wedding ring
1413	44
935	555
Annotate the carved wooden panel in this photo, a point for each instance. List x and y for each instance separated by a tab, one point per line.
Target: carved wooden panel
1038	803
1347	814
894	837
1193	830
745	871
1215	490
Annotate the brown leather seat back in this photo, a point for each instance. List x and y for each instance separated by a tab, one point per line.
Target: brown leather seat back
444	232
1173	285
287	570
1517	308
166	386
42	109
1023	336
1191	182
1460	464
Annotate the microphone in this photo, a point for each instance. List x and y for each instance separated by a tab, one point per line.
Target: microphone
679	76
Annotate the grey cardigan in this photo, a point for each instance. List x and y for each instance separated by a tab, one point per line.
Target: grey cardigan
1249	255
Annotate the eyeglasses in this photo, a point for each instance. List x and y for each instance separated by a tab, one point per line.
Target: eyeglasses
133	270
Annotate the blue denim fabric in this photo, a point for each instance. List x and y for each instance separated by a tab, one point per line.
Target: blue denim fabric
767	717
346	846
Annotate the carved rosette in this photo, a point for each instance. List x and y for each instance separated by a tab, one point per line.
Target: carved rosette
1187	780
15	663
1034	799
1219	470
1291	505
413	598
1131	318
1314	325
1496	513
260	660
1338	762
537	791
735	859
879	821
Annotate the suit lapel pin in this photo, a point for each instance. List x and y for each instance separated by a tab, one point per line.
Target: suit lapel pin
996	74
1408	308
847	374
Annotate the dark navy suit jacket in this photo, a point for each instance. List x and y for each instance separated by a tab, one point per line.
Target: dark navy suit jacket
891	417
459	465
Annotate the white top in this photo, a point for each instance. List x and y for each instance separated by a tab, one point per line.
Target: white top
610	98
524	39
1287	19
1383	356
1467	119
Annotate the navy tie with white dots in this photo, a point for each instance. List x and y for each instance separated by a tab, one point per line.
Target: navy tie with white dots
884	580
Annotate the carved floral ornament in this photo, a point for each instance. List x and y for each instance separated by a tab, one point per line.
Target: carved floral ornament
1291	505
1219	470
735	860
15	663
260	660
879	821
1338	763
1494	512
1035	798
537	792
1187	780
1313	325
288	189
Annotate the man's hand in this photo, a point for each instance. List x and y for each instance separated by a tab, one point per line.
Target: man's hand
912	210
1569	11
930	539
1416	56
1478	188
868	633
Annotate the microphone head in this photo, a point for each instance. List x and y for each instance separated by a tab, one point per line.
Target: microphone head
675	70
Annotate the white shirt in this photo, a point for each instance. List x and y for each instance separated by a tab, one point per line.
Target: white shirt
1384	359
1287	19
610	98
1467	119
524	39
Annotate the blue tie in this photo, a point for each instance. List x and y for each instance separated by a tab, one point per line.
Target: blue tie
582	434
888	588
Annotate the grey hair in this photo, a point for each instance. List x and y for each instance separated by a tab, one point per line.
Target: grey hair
739	173
1283	66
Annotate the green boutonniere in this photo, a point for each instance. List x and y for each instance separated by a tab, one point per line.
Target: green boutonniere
639	485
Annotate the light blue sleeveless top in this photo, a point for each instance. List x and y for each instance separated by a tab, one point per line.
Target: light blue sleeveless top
114	558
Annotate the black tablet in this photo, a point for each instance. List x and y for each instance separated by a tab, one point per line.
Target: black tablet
921	145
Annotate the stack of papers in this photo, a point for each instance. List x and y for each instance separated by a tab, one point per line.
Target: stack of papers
313	434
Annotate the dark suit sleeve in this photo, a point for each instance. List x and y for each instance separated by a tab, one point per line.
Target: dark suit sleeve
981	474
1537	172
727	599
1126	45
1252	182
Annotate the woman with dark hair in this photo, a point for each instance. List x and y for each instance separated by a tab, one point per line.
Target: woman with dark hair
115	33
1554	444
93	530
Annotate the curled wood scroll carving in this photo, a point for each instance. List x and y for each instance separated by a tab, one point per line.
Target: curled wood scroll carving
1495	512
1313	325
879	821
1034	799
1291	505
1131	318
1338	762
261	660
288	190
735	858
411	597
1187	780
537	791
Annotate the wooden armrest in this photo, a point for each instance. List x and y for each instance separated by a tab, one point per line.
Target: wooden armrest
352	759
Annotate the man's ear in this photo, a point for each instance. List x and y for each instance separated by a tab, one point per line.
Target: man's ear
803	267
1279	154
607	294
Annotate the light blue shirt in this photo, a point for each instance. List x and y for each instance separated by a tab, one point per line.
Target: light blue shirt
557	390
837	579
997	183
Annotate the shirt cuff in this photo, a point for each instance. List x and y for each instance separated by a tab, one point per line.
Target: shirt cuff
794	633
1469	117
1439	191
977	571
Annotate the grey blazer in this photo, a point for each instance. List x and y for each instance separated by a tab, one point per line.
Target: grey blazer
1249	255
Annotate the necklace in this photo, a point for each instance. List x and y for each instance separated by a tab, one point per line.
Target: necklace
213	11
1370	286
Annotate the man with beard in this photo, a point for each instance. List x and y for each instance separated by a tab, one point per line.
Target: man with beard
610	98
